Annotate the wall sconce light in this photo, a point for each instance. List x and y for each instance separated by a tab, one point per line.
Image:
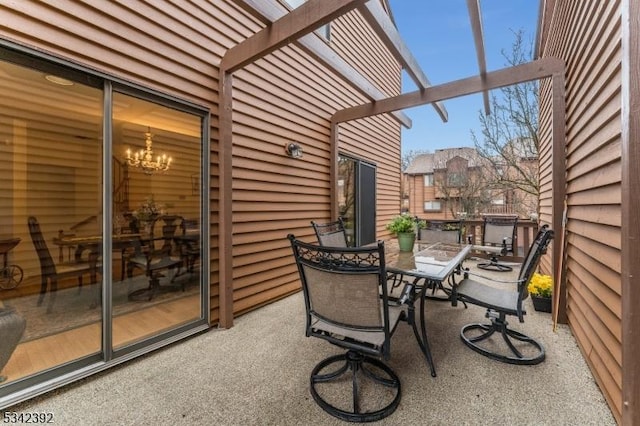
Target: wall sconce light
293	150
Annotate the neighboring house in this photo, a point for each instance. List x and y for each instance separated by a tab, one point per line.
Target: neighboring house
439	185
81	85
596	170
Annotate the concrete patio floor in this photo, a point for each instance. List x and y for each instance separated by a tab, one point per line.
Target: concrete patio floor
257	373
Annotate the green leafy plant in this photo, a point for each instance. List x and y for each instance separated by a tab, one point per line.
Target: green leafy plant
402	224
541	285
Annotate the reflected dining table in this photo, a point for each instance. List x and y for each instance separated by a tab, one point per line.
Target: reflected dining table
428	266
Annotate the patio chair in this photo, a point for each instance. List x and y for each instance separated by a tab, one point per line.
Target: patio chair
50	273
157	256
441	231
331	234
498	239
345	306
500	302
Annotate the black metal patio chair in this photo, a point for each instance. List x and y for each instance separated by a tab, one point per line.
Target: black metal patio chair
441	231
345	306
332	234
500	302
499	234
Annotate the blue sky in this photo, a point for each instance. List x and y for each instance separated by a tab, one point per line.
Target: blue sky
438	33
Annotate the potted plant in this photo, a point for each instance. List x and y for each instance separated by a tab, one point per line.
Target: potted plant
404	227
541	288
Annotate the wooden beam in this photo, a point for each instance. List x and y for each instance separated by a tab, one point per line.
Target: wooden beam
559	189
630	206
303	20
271	10
225	208
473	7
388	33
534	70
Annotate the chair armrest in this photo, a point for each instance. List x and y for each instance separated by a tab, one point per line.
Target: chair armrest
489	249
467	272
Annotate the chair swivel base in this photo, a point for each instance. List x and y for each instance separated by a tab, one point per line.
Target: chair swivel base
533	350
359	367
493	265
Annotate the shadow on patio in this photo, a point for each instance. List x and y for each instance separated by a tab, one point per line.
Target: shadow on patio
258	373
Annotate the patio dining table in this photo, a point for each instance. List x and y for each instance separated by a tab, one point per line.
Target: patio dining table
428	266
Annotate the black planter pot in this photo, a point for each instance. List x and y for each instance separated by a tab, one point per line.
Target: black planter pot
12	327
541	304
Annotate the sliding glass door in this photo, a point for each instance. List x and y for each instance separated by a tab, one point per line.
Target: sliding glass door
100	234
156	219
357	199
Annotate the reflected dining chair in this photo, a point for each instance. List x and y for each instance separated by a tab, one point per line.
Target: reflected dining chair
344	306
500	302
332	234
156	256
50	273
189	243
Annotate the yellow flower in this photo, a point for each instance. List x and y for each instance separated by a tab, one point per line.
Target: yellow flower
540	285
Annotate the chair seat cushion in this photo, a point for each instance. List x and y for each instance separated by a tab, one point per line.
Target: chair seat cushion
488	297
375	338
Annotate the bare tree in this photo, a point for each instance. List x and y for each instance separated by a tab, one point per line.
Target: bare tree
509	141
408	157
460	183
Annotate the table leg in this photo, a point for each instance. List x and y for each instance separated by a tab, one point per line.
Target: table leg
421	336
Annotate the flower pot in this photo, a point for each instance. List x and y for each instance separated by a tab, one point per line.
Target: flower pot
541	304
406	240
12	327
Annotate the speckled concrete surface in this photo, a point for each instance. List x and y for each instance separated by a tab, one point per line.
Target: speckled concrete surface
257	373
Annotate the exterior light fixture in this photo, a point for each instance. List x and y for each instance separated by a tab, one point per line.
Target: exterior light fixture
293	150
58	80
144	158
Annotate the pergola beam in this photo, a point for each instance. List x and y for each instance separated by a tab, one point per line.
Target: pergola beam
388	33
534	70
270	10
473	7
291	26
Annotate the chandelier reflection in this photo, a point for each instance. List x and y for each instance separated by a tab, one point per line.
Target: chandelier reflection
144	158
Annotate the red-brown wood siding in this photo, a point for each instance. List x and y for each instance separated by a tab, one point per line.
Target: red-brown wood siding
587	36
176	48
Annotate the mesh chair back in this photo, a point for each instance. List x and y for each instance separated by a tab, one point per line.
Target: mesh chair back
344	288
441	231
500	231
532	259
330	234
345	299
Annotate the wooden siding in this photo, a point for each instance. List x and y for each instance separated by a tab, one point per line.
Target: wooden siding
273	194
587	35
176	48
